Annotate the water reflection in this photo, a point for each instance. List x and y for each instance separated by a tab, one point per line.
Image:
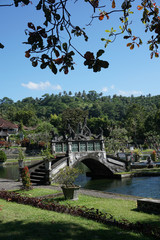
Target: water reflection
142	186
9	172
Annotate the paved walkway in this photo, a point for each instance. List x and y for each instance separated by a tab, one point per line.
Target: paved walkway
6	184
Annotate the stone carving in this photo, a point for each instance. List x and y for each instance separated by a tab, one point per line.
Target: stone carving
83	133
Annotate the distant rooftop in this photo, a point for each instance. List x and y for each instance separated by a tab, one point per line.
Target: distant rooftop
6	124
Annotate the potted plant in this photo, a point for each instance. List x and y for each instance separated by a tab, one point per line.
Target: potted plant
66	177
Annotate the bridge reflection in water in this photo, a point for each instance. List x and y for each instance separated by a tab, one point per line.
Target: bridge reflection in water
137	186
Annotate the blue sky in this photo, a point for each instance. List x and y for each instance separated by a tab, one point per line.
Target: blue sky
129	72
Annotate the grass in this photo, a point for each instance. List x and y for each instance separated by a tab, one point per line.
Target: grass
25	160
155	169
37	192
147	151
119	208
19	221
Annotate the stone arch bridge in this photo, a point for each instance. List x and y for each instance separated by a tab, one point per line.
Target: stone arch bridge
82	147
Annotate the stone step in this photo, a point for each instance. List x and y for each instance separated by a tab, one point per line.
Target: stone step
40	170
38	174
37	177
37	182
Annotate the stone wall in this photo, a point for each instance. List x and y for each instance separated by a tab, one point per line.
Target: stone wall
149	205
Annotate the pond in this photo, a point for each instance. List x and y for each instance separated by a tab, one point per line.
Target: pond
138	186
9	172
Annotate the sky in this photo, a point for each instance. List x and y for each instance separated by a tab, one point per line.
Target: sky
130	72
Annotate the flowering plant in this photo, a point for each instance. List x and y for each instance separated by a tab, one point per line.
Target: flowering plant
154	156
26	179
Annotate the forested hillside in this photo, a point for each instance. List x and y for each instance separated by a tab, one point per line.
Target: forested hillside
137	117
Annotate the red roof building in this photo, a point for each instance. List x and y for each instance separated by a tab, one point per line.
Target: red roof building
7	128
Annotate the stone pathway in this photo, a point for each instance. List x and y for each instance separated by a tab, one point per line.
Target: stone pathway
7	184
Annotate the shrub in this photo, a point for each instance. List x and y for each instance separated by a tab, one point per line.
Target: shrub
20	154
2	143
41	144
3	156
26	181
25	142
67	176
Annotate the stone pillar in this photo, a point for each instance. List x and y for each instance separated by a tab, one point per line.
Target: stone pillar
128	163
53	147
103	145
69	147
21	166
69	162
48	169
87	146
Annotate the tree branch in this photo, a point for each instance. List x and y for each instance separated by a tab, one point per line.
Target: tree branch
6	5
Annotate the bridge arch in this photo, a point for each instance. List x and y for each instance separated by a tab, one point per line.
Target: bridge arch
97	169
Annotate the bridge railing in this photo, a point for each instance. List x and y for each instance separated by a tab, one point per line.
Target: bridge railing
77	146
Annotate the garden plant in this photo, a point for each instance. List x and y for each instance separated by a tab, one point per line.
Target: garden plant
27	185
3	156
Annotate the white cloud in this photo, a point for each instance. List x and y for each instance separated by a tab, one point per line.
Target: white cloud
105	89
41	86
129	93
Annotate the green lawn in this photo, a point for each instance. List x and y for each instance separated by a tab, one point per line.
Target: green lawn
142	170
37	192
38	158
119	208
23	222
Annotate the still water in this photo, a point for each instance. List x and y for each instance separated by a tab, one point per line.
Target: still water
142	186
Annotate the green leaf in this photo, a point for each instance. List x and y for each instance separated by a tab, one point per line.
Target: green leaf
129	30
59	47
53	68
100	52
1	45
45	56
61	27
151	47
44	65
71	53
57	16
103	64
126	37
64	45
38	7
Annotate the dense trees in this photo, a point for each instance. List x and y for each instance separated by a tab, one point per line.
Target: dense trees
51	44
136	118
